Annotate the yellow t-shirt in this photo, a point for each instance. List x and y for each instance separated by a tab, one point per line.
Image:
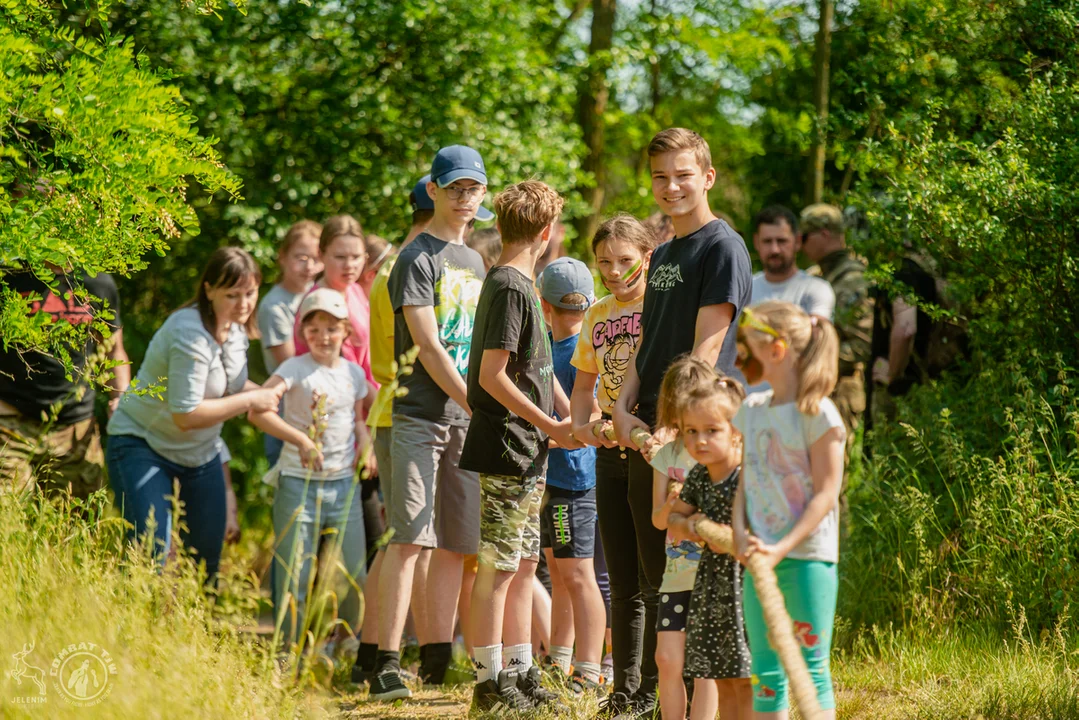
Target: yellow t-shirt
606	344
382	358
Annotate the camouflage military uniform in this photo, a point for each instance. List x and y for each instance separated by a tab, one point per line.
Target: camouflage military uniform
509	520
854	325
55	458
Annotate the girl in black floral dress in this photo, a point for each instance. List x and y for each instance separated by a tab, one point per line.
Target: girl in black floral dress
717	654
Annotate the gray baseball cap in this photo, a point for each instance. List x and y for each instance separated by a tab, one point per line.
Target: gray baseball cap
565	276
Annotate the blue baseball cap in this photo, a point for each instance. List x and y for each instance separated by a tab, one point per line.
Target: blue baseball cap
564	276
419	198
456	162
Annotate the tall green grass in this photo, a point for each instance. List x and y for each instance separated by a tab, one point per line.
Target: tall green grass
68	578
969	509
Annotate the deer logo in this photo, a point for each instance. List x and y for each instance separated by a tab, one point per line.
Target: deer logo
25	671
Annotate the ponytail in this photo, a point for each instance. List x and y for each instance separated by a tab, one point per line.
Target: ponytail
816	344
818	366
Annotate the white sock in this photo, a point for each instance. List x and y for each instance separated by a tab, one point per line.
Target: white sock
488	661
517	657
591	671
563	656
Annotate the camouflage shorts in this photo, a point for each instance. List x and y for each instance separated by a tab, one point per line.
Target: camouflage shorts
509	520
63	457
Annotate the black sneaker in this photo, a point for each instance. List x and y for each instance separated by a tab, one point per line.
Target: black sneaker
579	684
501	696
614	704
359	675
531	684
387	685
642	706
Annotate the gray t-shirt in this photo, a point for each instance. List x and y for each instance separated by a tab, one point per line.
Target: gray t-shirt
812	294
276	316
194	367
338	389
449	277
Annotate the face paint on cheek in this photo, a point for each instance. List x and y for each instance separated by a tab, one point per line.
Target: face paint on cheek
633	275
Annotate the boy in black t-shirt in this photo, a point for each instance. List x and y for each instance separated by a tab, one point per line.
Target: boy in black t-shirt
698	284
512	394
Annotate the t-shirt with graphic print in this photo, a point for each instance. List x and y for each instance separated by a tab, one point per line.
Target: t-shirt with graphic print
606	343
674	461
447	276
776	473
708	267
509	317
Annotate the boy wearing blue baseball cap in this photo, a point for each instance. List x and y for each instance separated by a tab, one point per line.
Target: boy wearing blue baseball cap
568	518
433	503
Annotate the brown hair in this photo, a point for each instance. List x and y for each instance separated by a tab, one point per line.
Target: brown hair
487	242
690	381
525	209
678	139
661	226
573	298
813	340
626	228
299	231
378	249
226	268
337	226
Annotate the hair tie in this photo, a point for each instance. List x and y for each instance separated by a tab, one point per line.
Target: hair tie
814	320
382	255
723	383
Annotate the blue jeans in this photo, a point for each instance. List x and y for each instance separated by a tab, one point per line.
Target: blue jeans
303	512
143	483
272	447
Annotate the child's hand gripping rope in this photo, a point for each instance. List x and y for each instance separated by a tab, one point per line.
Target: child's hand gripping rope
780	626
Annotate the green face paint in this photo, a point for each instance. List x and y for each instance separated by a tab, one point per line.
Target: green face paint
634	273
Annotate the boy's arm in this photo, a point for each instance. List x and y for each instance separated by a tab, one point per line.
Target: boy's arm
423	326
713	323
496	382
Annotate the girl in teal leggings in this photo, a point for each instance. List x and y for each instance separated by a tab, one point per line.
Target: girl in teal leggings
786	505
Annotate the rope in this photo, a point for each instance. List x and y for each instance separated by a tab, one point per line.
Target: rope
780	626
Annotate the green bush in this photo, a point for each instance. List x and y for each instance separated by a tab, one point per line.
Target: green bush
969	508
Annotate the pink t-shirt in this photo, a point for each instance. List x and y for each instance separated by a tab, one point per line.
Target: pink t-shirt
357	346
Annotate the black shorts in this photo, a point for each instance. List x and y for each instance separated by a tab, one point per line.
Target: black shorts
673	611
568	522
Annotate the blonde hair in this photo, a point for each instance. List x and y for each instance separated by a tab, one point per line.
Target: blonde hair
525	209
813	340
690	381
299	230
677	139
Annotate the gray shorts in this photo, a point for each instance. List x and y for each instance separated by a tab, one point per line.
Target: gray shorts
383	447
432	501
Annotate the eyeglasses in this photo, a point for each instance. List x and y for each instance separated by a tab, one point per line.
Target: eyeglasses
751	321
473	192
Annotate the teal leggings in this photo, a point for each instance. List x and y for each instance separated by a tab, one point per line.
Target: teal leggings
809	588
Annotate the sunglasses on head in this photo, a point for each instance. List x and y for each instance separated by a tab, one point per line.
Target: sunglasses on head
749	320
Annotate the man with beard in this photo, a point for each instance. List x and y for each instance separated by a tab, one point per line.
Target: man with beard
777	242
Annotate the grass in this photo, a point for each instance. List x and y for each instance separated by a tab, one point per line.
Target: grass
67	580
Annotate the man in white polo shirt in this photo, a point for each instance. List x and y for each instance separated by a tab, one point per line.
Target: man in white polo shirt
777	242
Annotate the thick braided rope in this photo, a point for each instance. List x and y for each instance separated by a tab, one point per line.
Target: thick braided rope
780	626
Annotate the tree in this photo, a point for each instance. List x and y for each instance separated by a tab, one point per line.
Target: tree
822	73
593	96
97	157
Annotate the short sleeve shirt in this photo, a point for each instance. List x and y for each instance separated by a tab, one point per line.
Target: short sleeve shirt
708	267
32	382
448	277
357	346
569	469
812	294
674	461
776	472
509	317
276	317
330	394
195	367
606	344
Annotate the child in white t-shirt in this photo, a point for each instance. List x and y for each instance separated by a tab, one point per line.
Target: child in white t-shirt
326	443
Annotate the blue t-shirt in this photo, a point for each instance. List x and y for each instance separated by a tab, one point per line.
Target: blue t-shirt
569	469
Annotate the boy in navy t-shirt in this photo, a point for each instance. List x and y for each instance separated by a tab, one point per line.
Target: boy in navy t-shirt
568	519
